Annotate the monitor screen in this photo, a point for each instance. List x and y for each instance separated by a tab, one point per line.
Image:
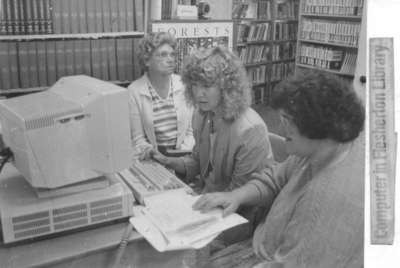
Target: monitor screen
76	130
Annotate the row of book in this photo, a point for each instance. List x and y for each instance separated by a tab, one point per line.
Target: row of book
41	63
260	93
255	54
349	63
338	32
334	7
252	10
69	16
186	45
286	9
328	58
285	30
266	9
254	32
281	70
257	75
283	51
25	17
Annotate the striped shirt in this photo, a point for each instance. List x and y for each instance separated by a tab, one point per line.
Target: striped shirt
164	118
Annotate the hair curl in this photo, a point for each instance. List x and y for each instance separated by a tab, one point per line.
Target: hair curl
218	66
150	42
321	105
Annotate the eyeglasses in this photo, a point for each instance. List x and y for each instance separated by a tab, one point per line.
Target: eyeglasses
165	54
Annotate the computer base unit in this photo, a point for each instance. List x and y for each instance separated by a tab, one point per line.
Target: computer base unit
25	216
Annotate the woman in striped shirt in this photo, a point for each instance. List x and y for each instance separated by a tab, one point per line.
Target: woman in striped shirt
160	115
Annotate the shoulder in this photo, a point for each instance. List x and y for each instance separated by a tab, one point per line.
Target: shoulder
250	121
138	86
177	83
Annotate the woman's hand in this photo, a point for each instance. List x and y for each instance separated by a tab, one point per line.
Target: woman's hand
160	158
226	200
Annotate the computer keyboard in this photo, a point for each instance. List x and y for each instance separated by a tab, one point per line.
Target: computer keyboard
149	177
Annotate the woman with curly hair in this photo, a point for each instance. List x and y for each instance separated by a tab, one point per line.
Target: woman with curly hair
316	197
231	139
160	116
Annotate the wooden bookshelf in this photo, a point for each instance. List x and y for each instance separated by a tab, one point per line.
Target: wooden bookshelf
328	36
50	39
266	43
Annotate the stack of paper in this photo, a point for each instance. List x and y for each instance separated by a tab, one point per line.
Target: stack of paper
168	222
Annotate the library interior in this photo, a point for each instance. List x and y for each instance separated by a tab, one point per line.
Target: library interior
151	133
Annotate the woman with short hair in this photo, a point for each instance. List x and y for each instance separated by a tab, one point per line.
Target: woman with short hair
160	115
316	196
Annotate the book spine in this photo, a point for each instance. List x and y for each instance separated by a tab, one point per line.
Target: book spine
103	59
114	13
129	59
106	13
41	17
33	65
78	56
99	17
15	17
57	16
5	74
69	57
122	15
7	16
130	15
138	15
23	61
14	65
91	15
75	20
51	62
96	58
42	63
60	59
87	57
121	60
112	59
82	16
65	17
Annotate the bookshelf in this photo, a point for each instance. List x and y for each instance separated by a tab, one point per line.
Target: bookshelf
265	40
43	40
328	36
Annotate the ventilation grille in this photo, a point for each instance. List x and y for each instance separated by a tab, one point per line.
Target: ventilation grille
48	120
31	225
37	224
70	217
106	209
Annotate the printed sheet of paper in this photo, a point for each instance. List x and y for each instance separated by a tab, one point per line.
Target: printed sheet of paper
168	222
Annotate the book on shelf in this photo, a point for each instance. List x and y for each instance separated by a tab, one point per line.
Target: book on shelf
334	7
335	32
68	16
286	9
168	222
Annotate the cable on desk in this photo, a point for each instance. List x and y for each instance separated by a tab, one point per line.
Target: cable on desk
5	155
122	246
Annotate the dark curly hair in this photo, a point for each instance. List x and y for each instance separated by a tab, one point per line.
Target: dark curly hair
218	66
321	105
150	42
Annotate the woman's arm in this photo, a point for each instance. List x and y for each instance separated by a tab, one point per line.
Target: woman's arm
139	141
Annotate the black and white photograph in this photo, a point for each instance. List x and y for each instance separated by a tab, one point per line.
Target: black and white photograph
199	133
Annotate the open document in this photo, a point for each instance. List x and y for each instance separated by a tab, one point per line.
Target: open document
168	222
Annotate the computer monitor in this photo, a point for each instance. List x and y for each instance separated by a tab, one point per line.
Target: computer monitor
75	131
